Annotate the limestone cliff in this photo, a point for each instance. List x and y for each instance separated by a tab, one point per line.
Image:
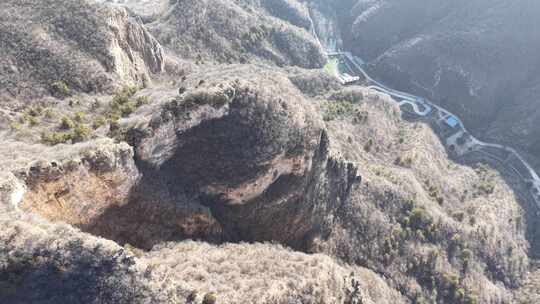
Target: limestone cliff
62	47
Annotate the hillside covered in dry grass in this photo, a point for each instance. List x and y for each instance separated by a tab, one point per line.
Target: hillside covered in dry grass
231	173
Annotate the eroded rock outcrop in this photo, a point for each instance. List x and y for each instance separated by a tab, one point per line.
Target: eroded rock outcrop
237	147
89	48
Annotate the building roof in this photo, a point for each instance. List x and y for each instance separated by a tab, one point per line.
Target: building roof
452	121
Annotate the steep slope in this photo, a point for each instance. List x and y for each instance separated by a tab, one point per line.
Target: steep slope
231	160
60	47
369	204
239	31
476	58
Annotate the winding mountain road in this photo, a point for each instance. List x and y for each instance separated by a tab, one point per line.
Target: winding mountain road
423	107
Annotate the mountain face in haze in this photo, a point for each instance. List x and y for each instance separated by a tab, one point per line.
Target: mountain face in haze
227	31
477	58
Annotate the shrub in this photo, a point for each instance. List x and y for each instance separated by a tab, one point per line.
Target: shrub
459	216
440	200
333	110
127	109
33	121
35	111
368	145
142	100
54	138
419	219
79	117
74	102
98	122
466	256
404	161
192	297
67	123
96	104
15	126
133	250
24	118
60	89
50	114
80	133
129	91
119	100
209	298
361	117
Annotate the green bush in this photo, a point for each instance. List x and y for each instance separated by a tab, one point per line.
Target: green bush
419	219
192	297
34	121
333	110
79	117
80	133
361	117
127	109
35	111
142	100
209	298
54	138
15	126
60	89
129	91
50	114
66	123
404	161
98	122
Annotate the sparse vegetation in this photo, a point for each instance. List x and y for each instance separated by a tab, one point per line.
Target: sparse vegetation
192	297
60	89
368	145
360	117
67	123
405	161
80	133
79	117
123	104
98	122
334	110
55	138
209	298
202	97
141	101
15	126
50	114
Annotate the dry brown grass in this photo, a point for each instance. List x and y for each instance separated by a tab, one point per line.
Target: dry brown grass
263	273
488	224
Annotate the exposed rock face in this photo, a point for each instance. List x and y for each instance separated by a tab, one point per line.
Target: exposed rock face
473	57
80	190
88	47
241	153
239	31
100	192
238	147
